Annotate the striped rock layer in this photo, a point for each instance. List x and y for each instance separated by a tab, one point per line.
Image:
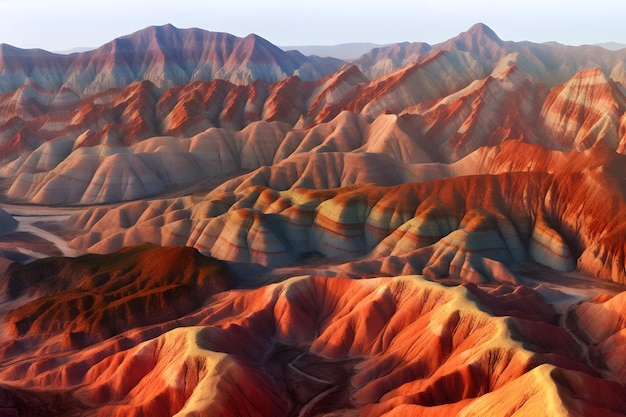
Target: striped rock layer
471	227
493	169
63	142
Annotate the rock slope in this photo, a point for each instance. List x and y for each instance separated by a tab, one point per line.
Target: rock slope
60	148
312	346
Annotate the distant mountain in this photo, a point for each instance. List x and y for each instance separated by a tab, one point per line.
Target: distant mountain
613	46
551	63
345	51
241	81
164	55
76	50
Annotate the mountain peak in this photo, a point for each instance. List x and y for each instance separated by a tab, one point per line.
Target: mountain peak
254	39
480	29
478	36
479	40
164	33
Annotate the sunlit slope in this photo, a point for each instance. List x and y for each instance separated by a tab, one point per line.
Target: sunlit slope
312	345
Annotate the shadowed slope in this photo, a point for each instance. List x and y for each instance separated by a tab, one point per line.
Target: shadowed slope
94	297
7	222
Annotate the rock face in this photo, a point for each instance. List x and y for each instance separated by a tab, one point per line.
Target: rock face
429	230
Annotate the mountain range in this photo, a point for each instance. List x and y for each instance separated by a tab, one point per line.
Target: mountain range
198	224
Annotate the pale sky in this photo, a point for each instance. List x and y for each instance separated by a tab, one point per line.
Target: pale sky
59	25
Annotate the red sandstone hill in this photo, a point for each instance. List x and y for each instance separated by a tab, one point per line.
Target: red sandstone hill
565	210
312	346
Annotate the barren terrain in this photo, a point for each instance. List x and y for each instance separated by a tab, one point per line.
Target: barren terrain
196	224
